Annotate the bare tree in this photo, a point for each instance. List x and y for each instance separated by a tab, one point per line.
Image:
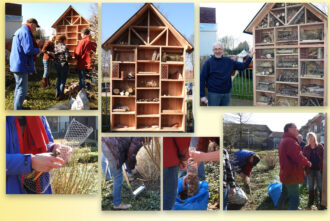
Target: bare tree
227	42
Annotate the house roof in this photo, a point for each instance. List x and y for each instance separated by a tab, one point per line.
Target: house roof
64	14
183	41
276	134
268	6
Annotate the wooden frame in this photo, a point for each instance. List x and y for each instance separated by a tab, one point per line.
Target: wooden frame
291	55
70	24
147	74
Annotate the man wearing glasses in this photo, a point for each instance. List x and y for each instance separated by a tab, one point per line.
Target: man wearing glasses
216	77
292	164
23	51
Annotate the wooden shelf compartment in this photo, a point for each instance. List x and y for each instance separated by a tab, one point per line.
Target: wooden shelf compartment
148	123
312	53
265	84
266	54
172	122
311	101
312	88
168	104
148	54
288	90
148	67
265	98
124	54
121	101
287	61
310	69
147	94
172	88
286	51
312	33
147	109
72	29
286	101
265	67
123	85
287	75
264	36
172	54
148	81
120	122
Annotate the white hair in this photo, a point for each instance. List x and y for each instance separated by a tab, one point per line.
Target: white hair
217	43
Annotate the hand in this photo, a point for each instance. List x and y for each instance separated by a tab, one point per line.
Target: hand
183	165
204	100
196	156
65	151
232	191
44	162
309	164
253	51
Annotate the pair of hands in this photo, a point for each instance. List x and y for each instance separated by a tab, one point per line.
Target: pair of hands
44	162
195	156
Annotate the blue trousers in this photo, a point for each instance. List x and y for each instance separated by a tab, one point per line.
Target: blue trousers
82	77
225	197
170	186
215	99
291	192
21	89
62	72
116	173
314	180
46	68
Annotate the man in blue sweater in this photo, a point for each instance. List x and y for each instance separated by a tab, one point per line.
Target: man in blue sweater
23	49
216	77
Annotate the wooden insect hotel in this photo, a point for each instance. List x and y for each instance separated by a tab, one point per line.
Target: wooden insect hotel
147	74
70	24
291	60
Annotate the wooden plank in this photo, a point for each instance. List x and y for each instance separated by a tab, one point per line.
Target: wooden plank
158	36
137	34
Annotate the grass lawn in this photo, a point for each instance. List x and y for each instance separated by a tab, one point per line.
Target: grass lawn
38	98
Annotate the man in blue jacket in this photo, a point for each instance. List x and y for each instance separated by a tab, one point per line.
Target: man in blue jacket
216	77
18	164
23	50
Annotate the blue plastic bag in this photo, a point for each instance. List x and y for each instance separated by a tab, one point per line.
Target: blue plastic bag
274	191
197	202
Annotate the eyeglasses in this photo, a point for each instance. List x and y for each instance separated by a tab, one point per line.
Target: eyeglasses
217	49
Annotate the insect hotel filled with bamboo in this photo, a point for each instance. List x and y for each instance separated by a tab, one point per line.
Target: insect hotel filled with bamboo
70	24
147	74
290	64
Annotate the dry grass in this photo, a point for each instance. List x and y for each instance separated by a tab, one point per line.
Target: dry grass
269	160
76	177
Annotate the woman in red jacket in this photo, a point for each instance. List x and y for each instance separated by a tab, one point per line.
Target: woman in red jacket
314	153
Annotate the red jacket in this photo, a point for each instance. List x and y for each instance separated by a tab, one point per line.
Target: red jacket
319	151
84	51
172	148
292	161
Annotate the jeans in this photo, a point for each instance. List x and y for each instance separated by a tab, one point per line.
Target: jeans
314	180
62	72
291	192
105	170
46	68
170	186
225	197
117	175
82	77
215	99
21	89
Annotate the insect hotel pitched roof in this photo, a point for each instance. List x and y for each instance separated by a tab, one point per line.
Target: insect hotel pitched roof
63	19
265	9
139	15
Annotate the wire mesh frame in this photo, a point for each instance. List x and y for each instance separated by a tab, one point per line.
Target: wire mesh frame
76	134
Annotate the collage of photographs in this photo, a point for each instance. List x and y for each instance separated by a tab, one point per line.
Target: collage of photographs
104	99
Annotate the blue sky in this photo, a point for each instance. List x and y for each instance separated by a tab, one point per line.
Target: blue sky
48	13
114	15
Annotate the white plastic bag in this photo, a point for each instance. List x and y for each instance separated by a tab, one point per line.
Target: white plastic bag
239	198
81	102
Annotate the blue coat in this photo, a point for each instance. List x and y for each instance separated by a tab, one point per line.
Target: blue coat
15	162
241	157
22	51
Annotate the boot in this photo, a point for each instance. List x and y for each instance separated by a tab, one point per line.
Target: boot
311	197
44	82
246	188
47	82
